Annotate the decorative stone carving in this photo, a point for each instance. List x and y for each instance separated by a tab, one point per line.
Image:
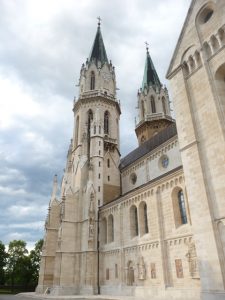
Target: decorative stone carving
60	236
179	268
91	214
91	228
192	260
62	211
153	270
141	269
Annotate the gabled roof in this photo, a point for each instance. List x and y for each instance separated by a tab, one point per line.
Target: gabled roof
149	145
150	77
180	38
98	52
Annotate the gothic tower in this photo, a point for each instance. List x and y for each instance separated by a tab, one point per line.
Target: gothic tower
197	75
91	179
153	104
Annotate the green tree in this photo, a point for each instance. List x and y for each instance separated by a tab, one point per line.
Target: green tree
17	262
3	256
35	258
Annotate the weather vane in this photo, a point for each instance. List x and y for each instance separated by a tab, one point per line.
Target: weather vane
99	21
147	44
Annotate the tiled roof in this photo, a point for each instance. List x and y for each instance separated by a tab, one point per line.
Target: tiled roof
151	77
149	145
98	52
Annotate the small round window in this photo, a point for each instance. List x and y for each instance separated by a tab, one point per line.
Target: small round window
133	178
164	161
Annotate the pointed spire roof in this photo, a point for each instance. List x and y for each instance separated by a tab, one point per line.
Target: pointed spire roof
98	52
150	75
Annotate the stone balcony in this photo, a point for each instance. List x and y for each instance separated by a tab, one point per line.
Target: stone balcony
94	93
109	143
154	117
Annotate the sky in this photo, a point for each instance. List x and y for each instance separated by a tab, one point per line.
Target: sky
43	45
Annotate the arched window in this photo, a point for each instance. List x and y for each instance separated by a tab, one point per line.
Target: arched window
106	122
164	105
207	49
179	207
153	105
104	231
77	131
181	202
90	118
143	108
133	221
220	87
110	229
214	43
92	85
191	63
186	69
143	218
221	34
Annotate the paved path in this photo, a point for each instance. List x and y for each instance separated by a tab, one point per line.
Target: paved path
14	297
33	296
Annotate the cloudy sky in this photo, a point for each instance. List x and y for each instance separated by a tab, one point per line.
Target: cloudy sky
43	44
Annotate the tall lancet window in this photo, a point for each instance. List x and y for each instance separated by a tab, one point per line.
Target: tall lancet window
145	219
77	131
153	105
143	109
164	105
92	85
106	122
90	118
181	202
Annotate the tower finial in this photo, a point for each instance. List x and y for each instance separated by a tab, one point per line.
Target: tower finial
147	44
99	21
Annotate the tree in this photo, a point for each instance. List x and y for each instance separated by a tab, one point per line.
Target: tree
17	262
3	256
22	268
35	258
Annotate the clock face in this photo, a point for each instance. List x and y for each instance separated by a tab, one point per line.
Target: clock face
106	76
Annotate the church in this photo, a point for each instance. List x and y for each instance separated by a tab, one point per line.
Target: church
151	224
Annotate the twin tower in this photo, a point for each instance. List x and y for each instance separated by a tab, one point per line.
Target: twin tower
70	261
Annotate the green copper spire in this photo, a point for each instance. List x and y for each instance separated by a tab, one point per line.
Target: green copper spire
150	76
98	52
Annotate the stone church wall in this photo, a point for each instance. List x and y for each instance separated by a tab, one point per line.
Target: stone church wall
161	259
150	167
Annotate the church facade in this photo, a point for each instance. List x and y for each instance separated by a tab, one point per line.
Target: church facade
151	224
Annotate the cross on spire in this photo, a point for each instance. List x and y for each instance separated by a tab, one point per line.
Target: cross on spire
99	21
147	44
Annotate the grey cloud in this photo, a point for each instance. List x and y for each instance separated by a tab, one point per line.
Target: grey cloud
43	55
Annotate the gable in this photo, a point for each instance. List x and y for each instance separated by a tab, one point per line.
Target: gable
196	30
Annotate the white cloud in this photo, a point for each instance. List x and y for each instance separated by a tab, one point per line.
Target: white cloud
43	44
21	211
